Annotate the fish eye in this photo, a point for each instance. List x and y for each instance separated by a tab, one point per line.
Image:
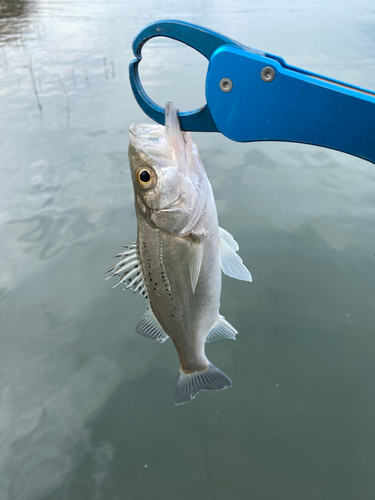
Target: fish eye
145	176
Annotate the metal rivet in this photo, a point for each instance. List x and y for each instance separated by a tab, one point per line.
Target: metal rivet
226	84
267	74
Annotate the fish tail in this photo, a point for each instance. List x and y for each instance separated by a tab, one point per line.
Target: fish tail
189	384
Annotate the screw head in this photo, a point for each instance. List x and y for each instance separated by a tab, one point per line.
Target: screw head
267	74
226	84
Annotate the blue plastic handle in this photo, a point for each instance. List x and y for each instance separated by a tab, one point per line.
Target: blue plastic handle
295	105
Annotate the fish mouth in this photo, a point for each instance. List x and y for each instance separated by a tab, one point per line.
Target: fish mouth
158	139
145	135
149	138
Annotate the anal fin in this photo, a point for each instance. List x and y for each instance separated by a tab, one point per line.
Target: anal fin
221	330
150	327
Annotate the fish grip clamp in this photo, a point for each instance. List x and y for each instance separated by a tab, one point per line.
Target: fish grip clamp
255	96
204	41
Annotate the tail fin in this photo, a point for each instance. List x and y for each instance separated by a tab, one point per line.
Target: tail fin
189	384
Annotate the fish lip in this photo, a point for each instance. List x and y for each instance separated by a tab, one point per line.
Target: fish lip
168	208
175	203
171	209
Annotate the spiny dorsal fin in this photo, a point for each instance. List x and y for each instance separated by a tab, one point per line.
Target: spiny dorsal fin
221	330
195	259
150	327
129	270
230	262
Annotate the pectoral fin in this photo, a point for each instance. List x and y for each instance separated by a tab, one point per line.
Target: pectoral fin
195	259
230	262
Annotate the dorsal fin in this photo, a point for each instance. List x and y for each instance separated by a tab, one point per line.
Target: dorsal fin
129	270
230	262
150	327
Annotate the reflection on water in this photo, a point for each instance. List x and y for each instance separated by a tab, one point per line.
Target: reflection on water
86	404
14	15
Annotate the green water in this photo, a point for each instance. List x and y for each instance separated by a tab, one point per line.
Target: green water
87	406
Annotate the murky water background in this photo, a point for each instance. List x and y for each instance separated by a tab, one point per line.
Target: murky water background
87	406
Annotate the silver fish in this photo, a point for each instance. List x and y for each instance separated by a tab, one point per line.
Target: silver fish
180	252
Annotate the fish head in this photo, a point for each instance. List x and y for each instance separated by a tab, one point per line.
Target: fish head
170	183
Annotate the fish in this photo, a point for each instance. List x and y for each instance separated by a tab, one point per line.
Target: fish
180	253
